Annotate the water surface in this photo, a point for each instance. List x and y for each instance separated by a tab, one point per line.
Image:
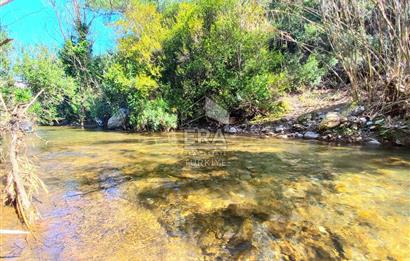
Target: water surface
118	196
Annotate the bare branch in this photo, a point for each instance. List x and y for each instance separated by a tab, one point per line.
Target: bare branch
33	100
60	24
4	2
3	103
5	41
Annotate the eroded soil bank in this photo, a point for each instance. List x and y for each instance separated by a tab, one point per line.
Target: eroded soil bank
117	196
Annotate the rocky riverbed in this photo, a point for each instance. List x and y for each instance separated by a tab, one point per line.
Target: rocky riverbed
340	125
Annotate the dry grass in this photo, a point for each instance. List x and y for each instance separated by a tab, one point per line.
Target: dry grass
309	101
371	41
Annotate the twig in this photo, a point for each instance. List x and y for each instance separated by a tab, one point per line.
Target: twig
33	100
3	103
4	2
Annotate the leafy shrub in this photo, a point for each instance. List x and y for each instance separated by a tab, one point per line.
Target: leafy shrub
43	71
219	49
302	40
154	116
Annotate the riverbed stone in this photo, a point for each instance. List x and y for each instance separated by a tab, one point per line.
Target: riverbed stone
280	129
230	129
331	120
373	142
311	135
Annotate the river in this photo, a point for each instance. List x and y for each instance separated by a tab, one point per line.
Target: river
200	196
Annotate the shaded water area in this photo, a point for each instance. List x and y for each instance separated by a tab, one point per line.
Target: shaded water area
118	196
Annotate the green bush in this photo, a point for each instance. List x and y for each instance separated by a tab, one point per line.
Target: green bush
154	116
43	71
219	49
302	41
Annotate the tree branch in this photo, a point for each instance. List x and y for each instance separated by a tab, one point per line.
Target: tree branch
33	100
4	2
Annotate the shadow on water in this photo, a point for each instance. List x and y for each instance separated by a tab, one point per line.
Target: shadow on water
243	197
247	200
258	177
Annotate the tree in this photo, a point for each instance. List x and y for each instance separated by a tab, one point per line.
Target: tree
21	180
77	59
44	71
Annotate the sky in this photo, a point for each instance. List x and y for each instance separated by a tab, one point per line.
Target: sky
34	22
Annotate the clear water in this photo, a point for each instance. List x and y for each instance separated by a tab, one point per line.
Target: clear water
177	196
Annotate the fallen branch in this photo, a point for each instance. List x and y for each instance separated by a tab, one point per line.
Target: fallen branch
21	180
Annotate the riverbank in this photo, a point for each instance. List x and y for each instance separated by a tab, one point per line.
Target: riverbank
325	115
329	116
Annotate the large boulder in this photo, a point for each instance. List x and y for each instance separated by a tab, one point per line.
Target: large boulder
118	120
331	120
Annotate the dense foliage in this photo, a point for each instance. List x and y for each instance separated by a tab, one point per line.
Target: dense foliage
44	71
172	55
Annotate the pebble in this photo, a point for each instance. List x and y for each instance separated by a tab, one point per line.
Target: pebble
280	128
373	142
363	120
311	135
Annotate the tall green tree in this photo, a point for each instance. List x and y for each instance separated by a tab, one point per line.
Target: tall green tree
78	62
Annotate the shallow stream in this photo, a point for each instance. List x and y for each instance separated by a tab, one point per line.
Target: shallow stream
183	196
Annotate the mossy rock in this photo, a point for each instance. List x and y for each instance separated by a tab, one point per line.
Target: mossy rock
331	120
